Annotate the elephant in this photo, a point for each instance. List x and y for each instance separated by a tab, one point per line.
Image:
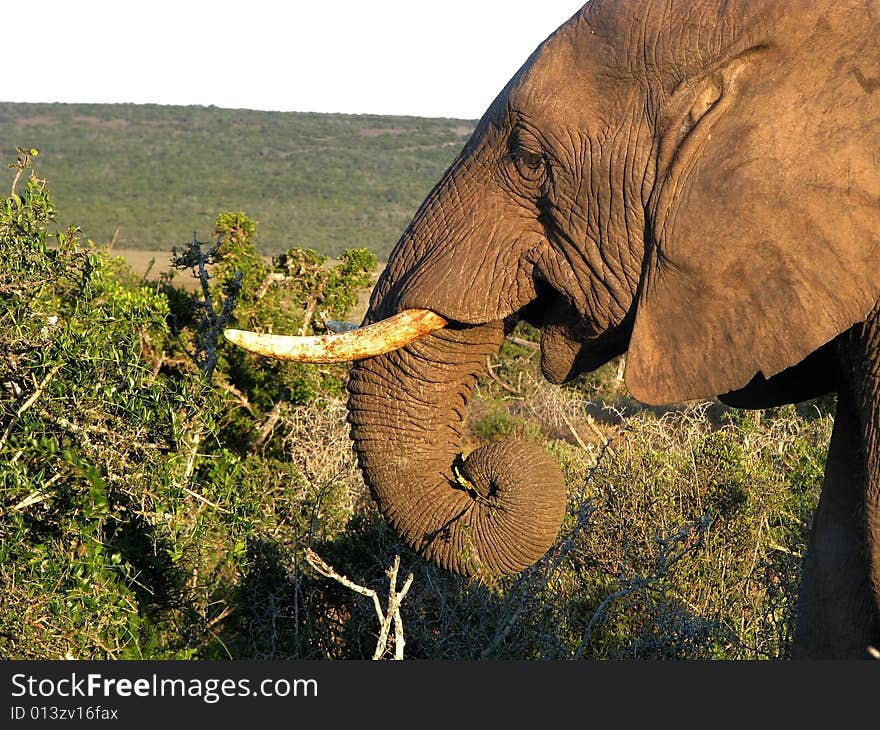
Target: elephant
693	183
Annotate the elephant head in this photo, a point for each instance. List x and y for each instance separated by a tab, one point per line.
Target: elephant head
693	183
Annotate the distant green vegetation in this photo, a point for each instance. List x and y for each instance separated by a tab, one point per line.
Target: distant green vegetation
157	173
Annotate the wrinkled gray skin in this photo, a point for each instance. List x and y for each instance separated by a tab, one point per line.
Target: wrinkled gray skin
693	183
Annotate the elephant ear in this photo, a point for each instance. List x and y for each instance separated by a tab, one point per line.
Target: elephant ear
766	221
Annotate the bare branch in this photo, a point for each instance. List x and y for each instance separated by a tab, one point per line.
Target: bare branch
310	306
270	279
238	395
207	501
573	430
267	428
498	380
386	618
399	641
621	369
528	344
212	323
324	569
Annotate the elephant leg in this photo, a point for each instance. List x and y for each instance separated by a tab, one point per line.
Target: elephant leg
835	615
839	605
862	356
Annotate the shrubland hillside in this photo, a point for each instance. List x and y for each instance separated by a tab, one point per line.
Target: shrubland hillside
157	173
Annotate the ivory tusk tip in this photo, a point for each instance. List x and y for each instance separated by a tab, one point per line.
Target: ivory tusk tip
250	341
234	336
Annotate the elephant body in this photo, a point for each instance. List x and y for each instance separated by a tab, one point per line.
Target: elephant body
695	183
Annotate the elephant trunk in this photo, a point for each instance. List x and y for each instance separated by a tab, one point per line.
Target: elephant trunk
495	512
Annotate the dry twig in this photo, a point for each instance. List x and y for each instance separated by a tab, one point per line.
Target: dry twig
523	343
267	428
317	294
592	424
386	618
573	430
205	500
270	279
240	397
498	380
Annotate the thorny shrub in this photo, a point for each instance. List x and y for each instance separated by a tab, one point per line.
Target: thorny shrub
136	488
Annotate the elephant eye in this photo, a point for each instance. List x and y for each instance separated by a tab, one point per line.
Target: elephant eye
530	162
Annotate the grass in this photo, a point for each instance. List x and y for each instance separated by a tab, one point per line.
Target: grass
148	175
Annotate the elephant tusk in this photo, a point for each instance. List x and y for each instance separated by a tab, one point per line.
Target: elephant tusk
375	339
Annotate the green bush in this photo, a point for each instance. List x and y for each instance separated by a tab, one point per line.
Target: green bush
133	487
89	434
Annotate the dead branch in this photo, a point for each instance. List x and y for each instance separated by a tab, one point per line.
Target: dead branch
393	613
310	307
270	279
498	380
238	395
523	343
163	360
206	501
621	368
386	618
592	424
15	181
37	496
194	443
573	431
267	428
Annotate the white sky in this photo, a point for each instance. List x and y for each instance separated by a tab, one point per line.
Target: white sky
437	59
